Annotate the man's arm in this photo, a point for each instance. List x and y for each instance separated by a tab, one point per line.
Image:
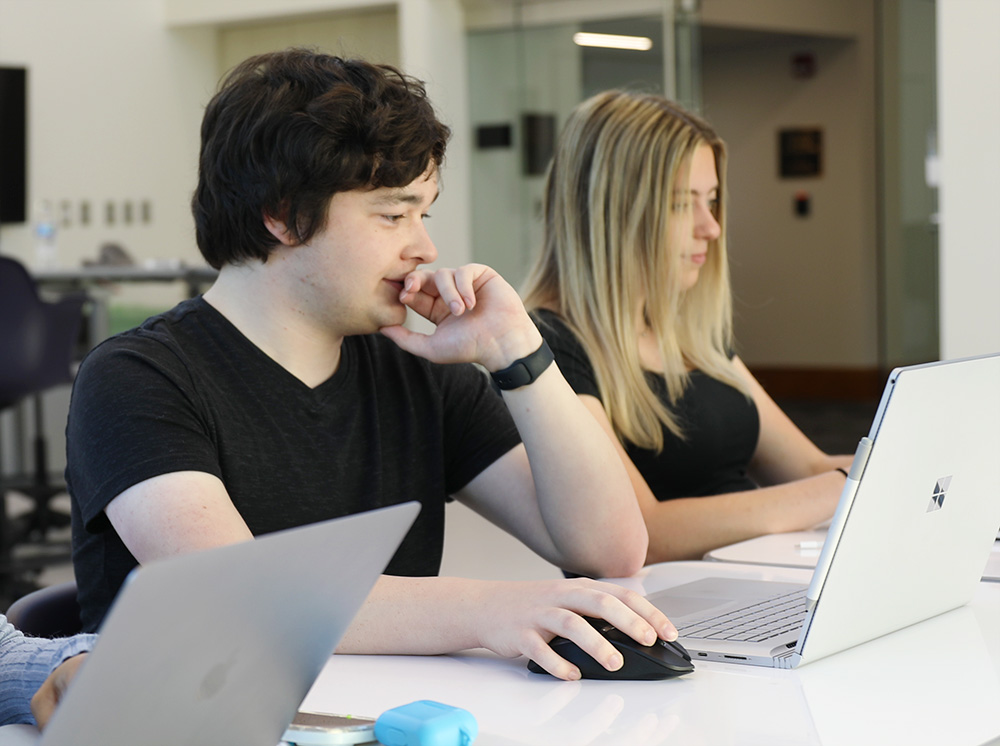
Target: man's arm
184	511
176	513
565	492
688	527
428	616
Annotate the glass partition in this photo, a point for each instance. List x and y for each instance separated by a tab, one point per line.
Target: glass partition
883	251
525	80
909	183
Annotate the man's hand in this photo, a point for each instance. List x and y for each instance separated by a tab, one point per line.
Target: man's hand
51	692
478	315
521	619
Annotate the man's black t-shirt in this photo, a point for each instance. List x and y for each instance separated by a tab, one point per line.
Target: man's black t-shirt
187	391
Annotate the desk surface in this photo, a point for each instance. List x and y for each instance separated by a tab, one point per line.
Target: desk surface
909	687
802	549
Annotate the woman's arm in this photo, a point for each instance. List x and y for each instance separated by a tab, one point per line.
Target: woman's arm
803	489
784	453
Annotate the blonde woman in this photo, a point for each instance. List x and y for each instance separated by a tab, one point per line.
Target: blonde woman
631	291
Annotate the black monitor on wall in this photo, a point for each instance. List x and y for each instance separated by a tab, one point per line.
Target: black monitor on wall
13	144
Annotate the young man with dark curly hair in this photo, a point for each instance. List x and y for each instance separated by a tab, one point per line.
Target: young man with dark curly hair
291	392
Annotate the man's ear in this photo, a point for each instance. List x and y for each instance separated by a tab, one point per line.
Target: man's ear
279	230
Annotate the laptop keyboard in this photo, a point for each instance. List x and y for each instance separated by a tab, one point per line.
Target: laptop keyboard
756	622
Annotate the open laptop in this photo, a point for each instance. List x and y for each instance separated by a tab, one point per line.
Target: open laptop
909	539
221	646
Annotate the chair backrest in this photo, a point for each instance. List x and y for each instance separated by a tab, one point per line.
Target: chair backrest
48	612
37	339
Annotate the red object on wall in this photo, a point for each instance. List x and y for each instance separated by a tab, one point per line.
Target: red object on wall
803	203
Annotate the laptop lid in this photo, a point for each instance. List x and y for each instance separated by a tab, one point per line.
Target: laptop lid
911	534
912	537
221	646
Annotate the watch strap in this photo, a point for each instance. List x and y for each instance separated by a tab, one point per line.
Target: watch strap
526	370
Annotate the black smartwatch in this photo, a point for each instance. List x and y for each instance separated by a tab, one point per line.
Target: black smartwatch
526	370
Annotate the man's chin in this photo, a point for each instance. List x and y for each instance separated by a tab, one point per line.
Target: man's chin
391	317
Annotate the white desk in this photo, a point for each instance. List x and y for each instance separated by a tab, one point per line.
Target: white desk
802	549
910	687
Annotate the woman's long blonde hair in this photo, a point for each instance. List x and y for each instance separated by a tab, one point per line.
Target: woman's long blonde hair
609	215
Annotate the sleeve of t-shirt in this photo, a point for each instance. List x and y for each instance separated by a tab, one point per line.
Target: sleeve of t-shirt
479	428
132	417
572	359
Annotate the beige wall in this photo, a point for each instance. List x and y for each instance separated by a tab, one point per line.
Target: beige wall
373	34
805	287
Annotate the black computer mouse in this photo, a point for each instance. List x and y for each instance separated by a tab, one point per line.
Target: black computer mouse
661	660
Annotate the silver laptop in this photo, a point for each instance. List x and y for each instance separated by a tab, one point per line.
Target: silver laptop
909	539
221	646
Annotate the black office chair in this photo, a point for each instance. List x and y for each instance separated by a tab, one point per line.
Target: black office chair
38	341
48	612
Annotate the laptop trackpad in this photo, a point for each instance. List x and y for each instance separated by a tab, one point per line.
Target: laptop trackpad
700	596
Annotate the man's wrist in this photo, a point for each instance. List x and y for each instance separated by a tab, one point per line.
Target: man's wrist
524	371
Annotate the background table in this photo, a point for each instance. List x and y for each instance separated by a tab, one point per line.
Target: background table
802	549
91	280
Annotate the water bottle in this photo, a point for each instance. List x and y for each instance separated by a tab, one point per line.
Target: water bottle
46	252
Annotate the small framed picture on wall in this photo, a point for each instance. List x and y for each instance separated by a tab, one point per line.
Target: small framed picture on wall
800	152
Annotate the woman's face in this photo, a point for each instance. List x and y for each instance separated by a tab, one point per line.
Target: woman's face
694	207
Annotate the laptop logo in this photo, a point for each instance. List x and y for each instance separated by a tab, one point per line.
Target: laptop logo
940	491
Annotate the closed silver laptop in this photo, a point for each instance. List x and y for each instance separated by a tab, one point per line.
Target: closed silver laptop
221	646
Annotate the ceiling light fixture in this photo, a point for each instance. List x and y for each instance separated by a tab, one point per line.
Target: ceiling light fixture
613	41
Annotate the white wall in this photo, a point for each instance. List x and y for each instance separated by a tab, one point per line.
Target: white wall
115	103
117	93
432	48
211	12
969	147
